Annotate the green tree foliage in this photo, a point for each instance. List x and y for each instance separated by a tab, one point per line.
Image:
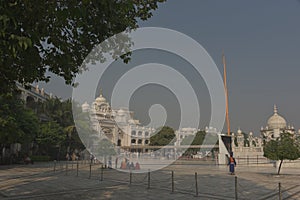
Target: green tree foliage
60	113
286	147
105	148
163	137
56	36
49	124
56	110
196	139
87	133
50	134
17	123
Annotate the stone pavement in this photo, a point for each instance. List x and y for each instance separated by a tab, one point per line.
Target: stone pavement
40	181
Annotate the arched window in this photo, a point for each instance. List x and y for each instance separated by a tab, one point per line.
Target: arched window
146	141
30	102
139	141
146	134
140	133
133	141
133	133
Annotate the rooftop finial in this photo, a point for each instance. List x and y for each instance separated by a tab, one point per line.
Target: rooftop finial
275	109
100	92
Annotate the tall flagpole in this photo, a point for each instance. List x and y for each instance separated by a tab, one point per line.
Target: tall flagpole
226	94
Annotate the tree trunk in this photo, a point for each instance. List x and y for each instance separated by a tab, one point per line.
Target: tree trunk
281	161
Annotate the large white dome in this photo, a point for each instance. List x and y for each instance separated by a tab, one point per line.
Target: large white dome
276	121
100	99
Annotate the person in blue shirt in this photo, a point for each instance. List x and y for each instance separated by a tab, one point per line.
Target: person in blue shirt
231	163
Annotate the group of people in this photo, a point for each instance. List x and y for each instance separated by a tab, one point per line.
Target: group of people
125	164
72	156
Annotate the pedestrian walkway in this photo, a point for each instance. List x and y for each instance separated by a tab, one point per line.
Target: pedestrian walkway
189	181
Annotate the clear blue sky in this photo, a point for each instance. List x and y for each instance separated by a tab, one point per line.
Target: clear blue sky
261	40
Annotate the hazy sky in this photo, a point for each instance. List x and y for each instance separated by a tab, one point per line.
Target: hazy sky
261	41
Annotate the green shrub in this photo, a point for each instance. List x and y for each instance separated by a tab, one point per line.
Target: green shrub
40	158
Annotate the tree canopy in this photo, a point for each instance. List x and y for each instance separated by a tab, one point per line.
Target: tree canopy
56	36
163	137
194	139
17	123
49	125
285	147
50	134
59	128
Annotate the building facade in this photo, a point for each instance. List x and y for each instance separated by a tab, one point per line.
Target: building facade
247	145
118	125
183	133
33	93
275	126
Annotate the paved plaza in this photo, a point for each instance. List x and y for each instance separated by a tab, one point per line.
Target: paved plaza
44	181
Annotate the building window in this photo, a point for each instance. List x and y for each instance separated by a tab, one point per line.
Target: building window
146	134
133	141
139	141
133	133
140	133
146	141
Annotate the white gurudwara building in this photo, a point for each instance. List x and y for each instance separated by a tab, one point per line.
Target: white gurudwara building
118	125
275	126
247	145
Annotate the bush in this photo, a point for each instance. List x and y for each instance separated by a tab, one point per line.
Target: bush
40	158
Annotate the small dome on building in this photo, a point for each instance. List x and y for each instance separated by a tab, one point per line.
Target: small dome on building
276	121
121	112
239	132
85	107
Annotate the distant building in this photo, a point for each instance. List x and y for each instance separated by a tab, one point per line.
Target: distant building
118	125
275	126
247	145
33	93
30	95
244	145
183	133
137	134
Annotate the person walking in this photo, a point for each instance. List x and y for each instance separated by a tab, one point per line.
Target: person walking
231	163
